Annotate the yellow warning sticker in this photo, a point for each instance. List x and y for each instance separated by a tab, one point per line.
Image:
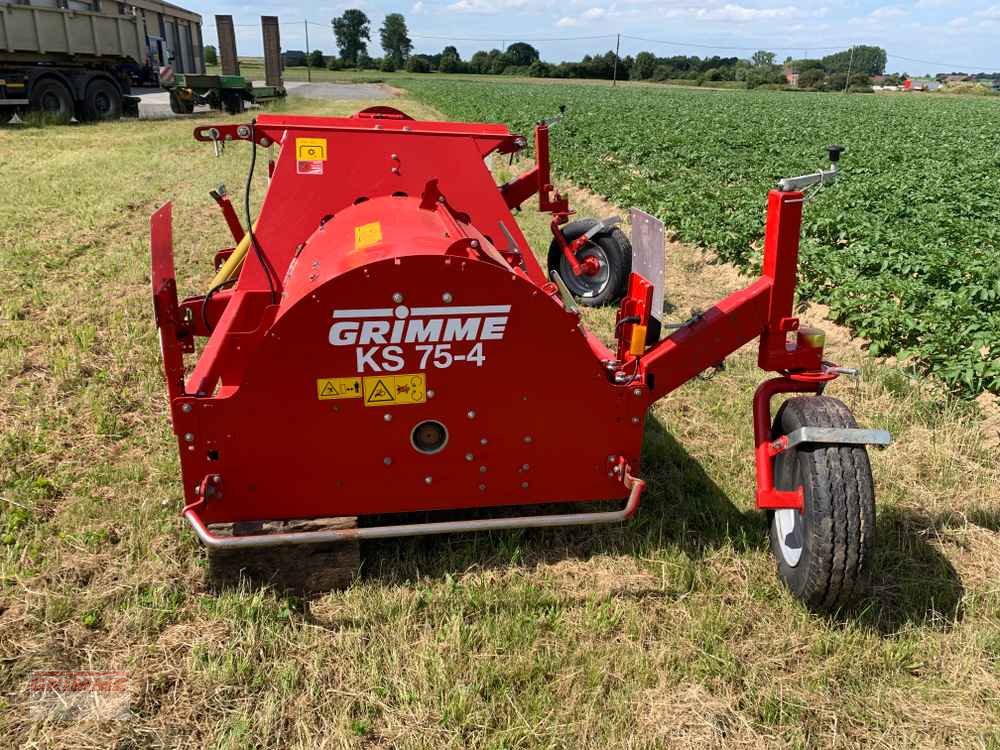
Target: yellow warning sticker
310	149
328	388
395	390
367	234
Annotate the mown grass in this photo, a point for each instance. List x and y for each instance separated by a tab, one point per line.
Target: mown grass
669	631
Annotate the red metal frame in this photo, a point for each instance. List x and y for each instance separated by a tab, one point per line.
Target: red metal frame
404	217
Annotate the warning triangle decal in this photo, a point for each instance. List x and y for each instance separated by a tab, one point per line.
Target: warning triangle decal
380	393
328	390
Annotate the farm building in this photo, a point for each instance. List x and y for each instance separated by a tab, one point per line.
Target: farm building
921	84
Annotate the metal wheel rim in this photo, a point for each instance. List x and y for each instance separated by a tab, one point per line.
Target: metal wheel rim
583	285
790	530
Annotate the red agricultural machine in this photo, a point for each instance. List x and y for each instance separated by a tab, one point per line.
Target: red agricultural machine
381	340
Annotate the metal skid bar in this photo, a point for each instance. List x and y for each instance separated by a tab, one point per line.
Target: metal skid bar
837	435
635	485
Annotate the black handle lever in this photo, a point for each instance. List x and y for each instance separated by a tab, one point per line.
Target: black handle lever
835	151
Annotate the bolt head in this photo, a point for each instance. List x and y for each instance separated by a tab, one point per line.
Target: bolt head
397	298
186	408
387	417
428	480
524	485
474	243
446	297
482	487
482	469
527	438
430	393
395	157
637	392
387	461
635	420
483	441
471	414
469	457
188	437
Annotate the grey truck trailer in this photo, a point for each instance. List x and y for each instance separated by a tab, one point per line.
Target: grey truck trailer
80	58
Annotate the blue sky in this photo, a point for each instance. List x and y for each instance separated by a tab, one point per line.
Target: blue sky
962	35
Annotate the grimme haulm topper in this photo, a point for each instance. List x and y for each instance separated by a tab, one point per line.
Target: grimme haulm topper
381	340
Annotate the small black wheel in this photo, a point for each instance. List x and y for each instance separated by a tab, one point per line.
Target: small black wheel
613	253
180	106
53	100
232	102
103	101
824	552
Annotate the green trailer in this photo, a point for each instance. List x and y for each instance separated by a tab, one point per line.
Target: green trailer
229	93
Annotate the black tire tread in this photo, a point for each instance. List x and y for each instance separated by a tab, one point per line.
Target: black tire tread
841	506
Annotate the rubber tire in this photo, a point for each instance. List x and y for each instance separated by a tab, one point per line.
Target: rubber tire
180	106
617	249
91	110
63	96
232	102
839	511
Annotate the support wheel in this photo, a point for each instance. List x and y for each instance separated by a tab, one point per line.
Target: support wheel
53	100
103	101
824	552
613	254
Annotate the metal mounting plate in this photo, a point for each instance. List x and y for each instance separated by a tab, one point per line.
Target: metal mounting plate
648	255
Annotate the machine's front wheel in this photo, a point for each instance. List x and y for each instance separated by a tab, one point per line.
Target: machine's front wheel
609	250
824	552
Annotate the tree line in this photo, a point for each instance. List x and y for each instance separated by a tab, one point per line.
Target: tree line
352	30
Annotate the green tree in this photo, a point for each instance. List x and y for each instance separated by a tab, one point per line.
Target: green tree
762	58
645	64
813	78
862	59
418	64
352	30
395	42
450	62
316	59
521	53
211	55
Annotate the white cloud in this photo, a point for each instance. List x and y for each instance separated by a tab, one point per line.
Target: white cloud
889	11
992	12
742	13
591	14
488	7
418	8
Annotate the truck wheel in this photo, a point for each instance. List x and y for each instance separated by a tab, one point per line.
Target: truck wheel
232	102
613	252
180	106
53	100
824	552
102	101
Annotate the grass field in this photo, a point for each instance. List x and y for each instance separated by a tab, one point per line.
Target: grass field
669	631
